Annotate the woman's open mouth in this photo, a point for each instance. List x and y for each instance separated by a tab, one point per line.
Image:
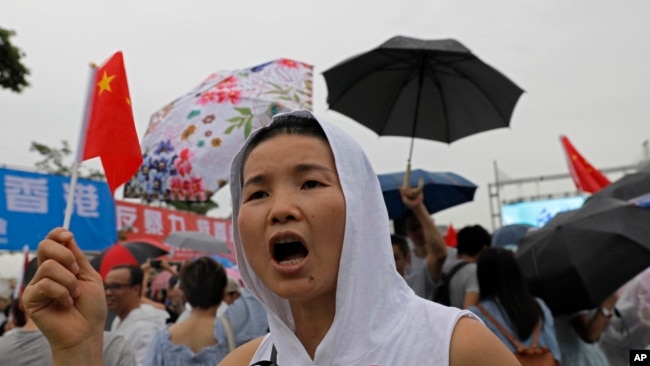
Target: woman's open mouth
289	254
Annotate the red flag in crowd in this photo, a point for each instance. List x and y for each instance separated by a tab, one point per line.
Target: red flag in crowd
451	238
586	177
109	128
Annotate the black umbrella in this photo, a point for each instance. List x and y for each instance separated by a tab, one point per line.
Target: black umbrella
626	188
510	234
582	256
436	90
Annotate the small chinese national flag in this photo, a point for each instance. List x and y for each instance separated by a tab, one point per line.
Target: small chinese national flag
586	177
109	125
451	237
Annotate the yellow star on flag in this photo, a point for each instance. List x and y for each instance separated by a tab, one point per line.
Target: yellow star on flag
105	83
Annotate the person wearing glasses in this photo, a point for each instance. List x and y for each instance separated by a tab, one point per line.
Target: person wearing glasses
136	321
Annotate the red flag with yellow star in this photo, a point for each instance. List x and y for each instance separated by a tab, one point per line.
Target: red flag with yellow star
586	177
109	125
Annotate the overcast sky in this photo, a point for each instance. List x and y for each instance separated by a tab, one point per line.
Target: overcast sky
585	67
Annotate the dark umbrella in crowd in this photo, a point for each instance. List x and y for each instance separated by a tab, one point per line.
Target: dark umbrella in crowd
441	190
628	187
132	252
582	256
431	89
510	234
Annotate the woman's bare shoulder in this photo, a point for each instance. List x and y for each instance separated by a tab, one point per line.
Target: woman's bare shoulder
472	343
243	354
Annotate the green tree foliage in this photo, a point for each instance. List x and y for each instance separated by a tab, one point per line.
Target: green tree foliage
12	71
55	161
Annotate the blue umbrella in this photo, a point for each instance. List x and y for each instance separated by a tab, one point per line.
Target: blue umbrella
441	190
509	234
225	262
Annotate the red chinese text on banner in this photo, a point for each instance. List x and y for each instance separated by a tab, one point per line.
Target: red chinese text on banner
585	176
155	224
109	128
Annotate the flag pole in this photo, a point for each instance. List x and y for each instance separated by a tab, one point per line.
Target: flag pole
80	147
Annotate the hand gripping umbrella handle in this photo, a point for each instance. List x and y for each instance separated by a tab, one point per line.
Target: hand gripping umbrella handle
420	186
407	180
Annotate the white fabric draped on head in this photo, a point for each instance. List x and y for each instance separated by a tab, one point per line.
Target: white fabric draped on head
372	300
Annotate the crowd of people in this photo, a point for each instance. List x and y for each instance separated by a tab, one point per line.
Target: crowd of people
321	285
145	329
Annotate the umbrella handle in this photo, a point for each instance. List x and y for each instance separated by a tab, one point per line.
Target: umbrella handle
420	186
407	176
407	180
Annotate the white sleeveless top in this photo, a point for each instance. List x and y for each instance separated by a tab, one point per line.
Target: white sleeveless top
424	339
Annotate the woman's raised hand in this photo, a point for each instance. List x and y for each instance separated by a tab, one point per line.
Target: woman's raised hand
66	299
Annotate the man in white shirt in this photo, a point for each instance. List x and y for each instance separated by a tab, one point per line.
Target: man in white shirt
137	322
463	287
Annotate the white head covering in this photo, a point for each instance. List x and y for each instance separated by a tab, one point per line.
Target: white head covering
372	301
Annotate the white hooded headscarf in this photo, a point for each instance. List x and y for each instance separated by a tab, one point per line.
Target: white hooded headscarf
378	320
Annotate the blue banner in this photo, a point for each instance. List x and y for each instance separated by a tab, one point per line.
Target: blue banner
32	204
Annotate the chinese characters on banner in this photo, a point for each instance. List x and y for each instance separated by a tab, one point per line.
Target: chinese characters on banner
153	223
32	204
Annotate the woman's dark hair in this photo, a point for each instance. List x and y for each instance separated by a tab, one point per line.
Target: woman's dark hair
17	313
501	279
288	124
203	282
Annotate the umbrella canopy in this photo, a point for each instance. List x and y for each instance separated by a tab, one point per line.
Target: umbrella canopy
509	234
134	253
198	241
582	256
190	143
225	262
628	187
431	89
441	191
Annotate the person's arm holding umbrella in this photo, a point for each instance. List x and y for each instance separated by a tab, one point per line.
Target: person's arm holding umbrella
590	328
147	268
429	239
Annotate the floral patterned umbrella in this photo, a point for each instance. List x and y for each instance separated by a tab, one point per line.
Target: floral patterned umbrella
190	143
